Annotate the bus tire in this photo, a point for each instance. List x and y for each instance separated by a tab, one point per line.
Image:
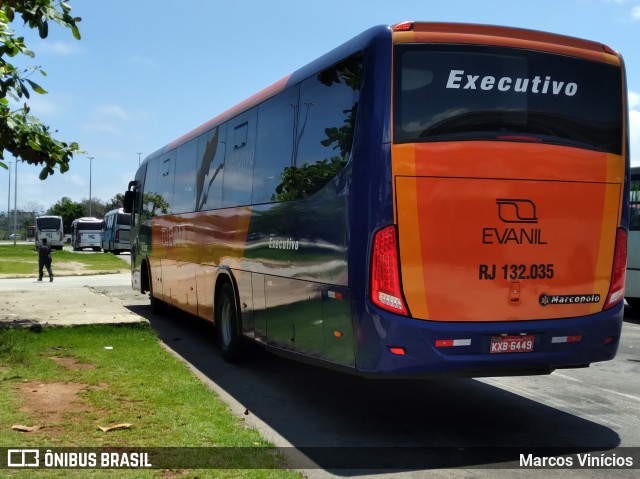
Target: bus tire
228	324
634	303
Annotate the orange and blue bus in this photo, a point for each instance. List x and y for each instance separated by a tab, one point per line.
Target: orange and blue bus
426	199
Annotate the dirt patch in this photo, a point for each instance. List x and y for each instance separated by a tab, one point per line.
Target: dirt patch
72	363
72	266
47	403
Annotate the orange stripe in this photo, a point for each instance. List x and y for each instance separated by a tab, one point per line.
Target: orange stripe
410	239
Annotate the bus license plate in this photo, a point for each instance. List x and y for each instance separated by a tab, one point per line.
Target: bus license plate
511	344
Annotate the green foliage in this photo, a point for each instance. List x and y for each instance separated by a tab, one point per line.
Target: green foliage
23	135
69	210
135	380
22	259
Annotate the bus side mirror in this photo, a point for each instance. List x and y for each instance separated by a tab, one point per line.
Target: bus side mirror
128	201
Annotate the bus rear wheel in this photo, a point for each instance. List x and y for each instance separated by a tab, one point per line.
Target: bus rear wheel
228	324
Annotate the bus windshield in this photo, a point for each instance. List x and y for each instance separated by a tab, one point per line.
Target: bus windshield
464	92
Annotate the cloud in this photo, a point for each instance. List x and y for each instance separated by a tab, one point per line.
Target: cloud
109	118
113	111
635	13
43	106
58	48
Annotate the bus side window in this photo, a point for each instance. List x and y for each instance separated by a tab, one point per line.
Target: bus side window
210	173
153	203
326	124
166	176
239	159
185	172
275	144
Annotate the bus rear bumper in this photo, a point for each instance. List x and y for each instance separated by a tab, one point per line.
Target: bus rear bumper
393	346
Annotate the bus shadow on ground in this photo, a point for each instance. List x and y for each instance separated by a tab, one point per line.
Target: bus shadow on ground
349	424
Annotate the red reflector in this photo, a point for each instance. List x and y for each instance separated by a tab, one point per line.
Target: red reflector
444	343
386	290
616	291
531	139
403	27
609	340
398	351
574	339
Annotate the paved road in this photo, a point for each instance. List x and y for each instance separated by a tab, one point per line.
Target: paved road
69	300
296	404
462	428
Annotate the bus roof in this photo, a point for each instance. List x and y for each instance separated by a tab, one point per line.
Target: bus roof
86	219
507	36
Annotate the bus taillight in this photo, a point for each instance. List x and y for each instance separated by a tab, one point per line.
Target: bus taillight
616	291
386	290
404	27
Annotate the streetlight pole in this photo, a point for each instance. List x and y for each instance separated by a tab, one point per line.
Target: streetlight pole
90	163
15	204
9	201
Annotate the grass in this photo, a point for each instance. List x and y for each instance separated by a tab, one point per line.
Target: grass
127	377
22	260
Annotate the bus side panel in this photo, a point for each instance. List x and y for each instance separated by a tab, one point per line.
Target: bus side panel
294	315
205	282
243	281
155	270
297	252
181	290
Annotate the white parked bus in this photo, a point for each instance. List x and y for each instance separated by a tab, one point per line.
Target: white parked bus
86	233
50	227
632	291
115	232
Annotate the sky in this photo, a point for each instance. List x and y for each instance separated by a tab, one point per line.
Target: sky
147	71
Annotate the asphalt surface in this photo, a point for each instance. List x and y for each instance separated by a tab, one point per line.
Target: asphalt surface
69	300
460	428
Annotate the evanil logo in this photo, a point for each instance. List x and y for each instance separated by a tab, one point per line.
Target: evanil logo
459	79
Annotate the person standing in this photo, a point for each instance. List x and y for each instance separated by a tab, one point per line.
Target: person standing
44	259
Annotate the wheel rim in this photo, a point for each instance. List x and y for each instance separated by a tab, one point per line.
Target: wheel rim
225	322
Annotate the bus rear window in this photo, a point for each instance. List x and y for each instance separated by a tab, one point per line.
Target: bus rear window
48	223
462	92
90	226
124	219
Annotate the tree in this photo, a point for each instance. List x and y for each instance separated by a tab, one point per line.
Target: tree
69	210
97	209
115	202
23	135
34	207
